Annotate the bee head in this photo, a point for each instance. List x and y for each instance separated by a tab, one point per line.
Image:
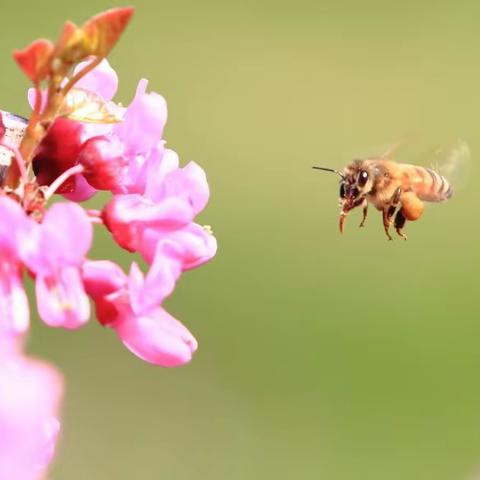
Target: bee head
356	182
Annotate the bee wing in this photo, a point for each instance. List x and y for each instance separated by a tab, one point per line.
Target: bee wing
454	163
85	106
451	160
392	150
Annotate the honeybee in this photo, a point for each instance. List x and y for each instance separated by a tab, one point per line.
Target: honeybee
398	190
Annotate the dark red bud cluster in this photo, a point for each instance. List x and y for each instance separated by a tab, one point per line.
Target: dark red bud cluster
63	148
58	152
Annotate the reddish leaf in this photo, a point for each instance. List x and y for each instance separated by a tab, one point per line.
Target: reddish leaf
69	47
103	30
35	59
97	37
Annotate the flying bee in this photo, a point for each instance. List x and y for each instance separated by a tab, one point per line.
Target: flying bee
398	190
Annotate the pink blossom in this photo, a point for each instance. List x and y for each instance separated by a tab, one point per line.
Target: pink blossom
106	283
156	337
134	140
172	199
188	184
143	123
152	211
127	216
103	80
192	245
56	259
131	305
14	228
30	393
77	142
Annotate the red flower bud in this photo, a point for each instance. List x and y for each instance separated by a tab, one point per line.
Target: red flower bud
103	163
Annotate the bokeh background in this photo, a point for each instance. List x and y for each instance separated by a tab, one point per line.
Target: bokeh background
321	356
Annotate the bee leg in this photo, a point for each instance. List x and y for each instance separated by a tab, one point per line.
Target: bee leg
400	221
387	219
395	200
365	212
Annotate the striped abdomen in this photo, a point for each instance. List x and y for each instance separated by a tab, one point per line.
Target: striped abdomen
427	184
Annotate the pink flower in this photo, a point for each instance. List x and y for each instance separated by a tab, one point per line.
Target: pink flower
145	328
131	305
14	228
144	120
134	140
56	259
30	393
192	245
164	214
76	143
156	337
152	210
103	80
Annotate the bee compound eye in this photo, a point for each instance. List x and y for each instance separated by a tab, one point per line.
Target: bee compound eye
342	190
362	178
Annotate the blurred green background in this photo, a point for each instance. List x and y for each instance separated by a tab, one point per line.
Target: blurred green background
321	356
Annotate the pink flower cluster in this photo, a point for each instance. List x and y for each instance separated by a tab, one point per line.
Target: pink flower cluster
151	211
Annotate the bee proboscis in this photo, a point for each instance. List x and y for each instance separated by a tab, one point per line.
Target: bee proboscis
398	190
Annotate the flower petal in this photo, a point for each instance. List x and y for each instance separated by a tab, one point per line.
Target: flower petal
61	300
142	127
159	165
102	80
126	216
190	183
63	239
157	338
14	308
192	245
15	226
147	293
102	277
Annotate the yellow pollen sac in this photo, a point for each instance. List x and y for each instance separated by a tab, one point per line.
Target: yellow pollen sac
208	229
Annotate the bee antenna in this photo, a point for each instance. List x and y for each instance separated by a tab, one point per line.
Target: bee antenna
330	170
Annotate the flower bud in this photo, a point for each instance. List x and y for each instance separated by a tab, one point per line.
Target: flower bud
103	162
